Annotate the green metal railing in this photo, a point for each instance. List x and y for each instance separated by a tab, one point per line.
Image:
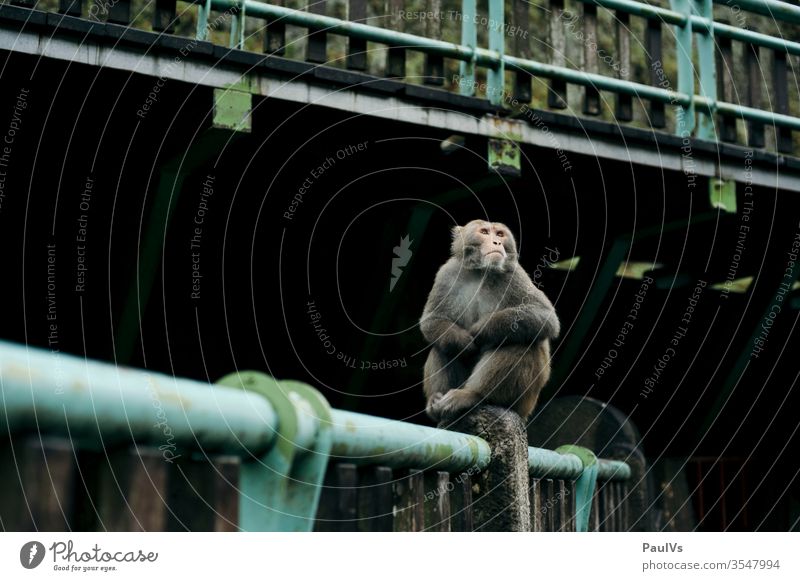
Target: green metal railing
696	90
284	432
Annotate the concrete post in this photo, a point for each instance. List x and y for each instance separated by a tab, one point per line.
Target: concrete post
500	491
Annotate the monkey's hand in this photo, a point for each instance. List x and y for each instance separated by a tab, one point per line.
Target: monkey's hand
523	325
449	337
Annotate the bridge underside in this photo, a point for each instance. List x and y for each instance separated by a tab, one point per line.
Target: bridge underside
239	232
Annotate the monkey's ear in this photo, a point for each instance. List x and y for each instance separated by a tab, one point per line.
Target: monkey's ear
456	231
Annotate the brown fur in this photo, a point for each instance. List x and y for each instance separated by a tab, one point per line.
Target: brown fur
489	327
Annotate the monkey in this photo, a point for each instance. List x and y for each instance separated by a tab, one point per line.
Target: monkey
488	325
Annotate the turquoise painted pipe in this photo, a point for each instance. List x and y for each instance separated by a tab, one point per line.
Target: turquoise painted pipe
368	439
100	404
614	470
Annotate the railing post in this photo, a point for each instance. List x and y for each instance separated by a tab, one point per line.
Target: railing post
708	70
237	26
469	37
280	490
495	77
500	491
584	485
684	120
203	12
433	73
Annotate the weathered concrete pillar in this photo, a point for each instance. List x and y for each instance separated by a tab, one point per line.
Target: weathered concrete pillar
500	492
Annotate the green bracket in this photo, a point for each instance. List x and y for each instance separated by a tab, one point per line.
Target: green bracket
232	109
584	485
469	37
504	157
280	491
722	194
495	76
684	115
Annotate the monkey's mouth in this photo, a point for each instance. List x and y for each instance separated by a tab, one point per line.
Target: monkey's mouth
500	252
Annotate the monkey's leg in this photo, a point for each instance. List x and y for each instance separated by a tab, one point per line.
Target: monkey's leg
441	375
510	377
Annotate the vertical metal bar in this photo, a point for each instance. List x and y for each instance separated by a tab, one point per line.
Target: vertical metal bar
591	96
437	501
726	87
275	38
624	103
495	77
409	501
469	37
585	485
549	490
780	83
708	70
536	505
595	512
653	47
684	116
434	64
625	503
375	499
557	93
347	500
203	13
461	504
130	490
317	48
563	516
357	47
237	26
569	503
226	497
755	129
522	47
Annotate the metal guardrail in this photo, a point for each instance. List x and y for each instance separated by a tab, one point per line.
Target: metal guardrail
284	431
689	16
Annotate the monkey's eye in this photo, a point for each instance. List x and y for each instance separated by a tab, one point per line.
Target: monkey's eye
500	234
484	231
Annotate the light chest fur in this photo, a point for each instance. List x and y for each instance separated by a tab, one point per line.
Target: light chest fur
477	296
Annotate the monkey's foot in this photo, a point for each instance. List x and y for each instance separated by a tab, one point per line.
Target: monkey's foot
454	402
429	409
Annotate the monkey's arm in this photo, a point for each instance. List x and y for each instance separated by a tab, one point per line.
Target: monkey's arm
534	319
437	323
446	335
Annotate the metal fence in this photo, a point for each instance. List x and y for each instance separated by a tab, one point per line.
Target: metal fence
707	99
93	446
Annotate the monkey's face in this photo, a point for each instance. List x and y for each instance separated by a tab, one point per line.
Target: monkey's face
484	245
